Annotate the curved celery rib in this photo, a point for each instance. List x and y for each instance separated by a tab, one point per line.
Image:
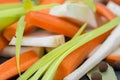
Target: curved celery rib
19	34
57	55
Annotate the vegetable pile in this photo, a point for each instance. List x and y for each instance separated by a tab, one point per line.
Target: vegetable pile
60	39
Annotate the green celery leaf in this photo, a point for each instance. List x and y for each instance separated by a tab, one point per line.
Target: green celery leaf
54	57
91	4
19	35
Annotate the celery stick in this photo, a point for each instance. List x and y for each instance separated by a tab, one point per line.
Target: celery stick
9	16
110	44
80	30
49	75
19	34
10	5
48	58
74	43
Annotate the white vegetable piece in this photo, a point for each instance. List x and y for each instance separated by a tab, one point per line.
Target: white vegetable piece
116	52
77	11
94	50
111	43
9	51
115	8
41	39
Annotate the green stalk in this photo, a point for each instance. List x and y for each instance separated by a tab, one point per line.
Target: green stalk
49	75
19	35
10	5
80	30
63	50
9	16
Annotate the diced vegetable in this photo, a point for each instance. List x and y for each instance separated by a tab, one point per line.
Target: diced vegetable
9	51
41	38
106	48
9	69
77	11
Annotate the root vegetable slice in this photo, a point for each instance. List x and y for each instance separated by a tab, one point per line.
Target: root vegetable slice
109	45
76	11
115	8
9	51
41	38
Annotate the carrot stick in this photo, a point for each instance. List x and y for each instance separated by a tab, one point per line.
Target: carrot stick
104	11
51	23
10	31
117	1
8	1
51	1
9	69
73	60
112	58
3	42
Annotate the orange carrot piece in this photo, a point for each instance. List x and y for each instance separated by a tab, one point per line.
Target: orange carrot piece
8	1
104	11
112	58
51	1
10	31
51	23
8	69
117	1
3	42
73	60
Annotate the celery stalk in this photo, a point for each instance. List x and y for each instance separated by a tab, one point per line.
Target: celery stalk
80	30
9	16
19	34
10	5
62	51
49	75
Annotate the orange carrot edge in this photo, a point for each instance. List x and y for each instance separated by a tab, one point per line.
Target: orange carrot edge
51	23
51	1
9	69
73	60
8	1
10	31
